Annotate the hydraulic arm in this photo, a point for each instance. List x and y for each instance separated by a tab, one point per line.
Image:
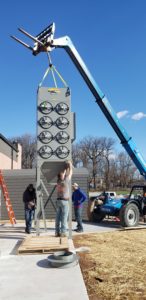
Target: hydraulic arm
45	42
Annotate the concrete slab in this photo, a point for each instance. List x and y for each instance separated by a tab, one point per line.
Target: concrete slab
104	226
30	276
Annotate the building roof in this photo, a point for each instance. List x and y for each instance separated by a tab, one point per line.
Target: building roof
8	143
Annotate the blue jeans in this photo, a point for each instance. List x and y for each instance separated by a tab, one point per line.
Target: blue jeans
62	207
29	215
78	216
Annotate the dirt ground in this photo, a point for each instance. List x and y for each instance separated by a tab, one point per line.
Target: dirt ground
115	267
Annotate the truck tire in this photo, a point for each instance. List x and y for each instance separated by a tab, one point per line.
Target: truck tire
129	215
98	216
90	208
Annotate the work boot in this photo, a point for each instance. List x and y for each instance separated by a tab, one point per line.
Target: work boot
57	234
79	230
63	235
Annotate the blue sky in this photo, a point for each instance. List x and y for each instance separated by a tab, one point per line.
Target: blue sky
110	36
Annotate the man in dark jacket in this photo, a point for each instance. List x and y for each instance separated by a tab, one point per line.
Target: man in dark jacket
78	197
29	199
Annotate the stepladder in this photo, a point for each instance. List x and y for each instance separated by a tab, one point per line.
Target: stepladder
7	200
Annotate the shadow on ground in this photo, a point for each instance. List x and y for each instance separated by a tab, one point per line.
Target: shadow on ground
43	263
104	223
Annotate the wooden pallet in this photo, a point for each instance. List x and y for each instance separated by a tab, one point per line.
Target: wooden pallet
43	244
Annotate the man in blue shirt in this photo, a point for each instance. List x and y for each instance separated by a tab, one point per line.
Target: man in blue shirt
78	198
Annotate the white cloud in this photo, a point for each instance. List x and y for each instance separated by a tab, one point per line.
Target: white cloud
138	116
122	114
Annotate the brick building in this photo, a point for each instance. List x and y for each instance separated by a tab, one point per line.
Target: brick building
10	154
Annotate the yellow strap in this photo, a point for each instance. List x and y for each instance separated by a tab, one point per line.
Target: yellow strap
45	75
53	76
60	76
52	69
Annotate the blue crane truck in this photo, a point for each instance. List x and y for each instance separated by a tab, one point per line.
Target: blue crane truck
127	209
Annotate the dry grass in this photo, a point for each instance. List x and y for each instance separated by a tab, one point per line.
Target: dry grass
115	268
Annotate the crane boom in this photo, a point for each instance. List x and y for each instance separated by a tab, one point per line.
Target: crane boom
126	141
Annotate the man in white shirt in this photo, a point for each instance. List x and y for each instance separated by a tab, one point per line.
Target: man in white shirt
63	196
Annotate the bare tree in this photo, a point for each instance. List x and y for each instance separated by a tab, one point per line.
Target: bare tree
98	155
126	169
114	179
108	145
76	155
28	143
92	148
79	156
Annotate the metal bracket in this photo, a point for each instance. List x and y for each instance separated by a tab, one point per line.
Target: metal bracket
49	195
43	41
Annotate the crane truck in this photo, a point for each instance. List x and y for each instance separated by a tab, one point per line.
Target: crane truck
128	209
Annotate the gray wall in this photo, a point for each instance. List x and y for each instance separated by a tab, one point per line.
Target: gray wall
18	180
